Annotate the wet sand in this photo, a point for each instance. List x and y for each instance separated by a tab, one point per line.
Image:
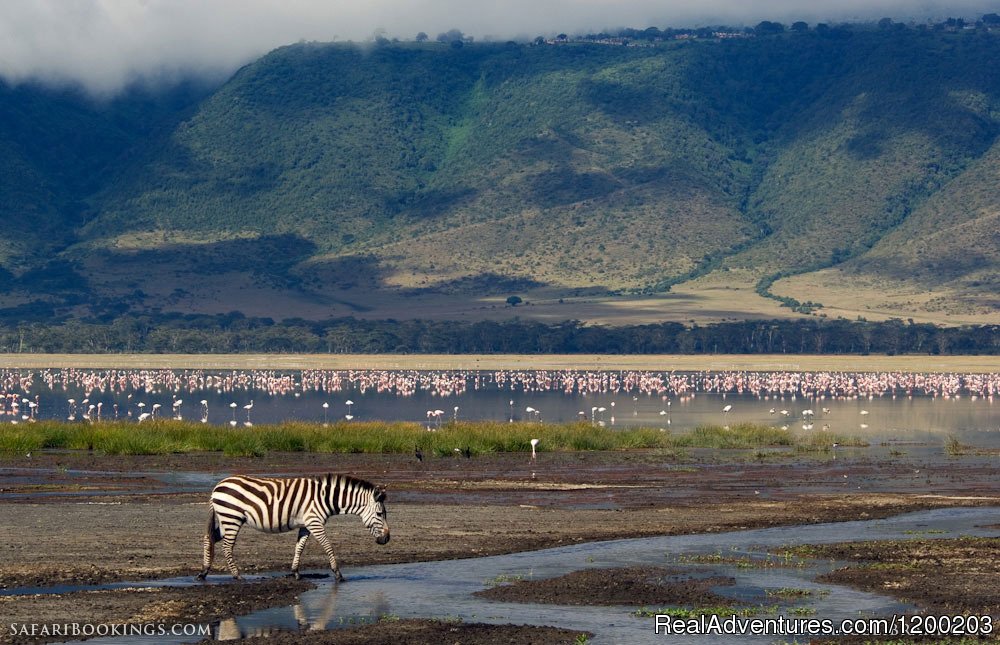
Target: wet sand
97	519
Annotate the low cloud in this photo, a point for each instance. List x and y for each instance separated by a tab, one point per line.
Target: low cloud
105	44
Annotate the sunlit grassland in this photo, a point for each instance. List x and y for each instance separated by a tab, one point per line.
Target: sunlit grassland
874	297
375	437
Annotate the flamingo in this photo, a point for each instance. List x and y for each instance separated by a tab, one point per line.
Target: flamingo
248	407
534	442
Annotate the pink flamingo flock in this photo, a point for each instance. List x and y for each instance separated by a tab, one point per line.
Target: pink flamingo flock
18	403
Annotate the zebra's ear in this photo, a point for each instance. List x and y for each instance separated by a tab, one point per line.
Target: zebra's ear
380	493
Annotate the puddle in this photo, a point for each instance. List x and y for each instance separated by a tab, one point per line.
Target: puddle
444	589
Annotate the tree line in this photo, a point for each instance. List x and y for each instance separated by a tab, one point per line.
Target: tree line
236	333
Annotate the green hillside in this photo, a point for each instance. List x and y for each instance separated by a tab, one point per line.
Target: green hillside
326	179
59	148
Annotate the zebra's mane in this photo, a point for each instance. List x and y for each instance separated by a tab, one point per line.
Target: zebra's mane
347	479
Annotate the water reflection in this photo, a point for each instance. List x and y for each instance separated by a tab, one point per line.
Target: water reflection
316	611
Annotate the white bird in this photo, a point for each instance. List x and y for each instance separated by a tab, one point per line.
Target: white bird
534	442
727	408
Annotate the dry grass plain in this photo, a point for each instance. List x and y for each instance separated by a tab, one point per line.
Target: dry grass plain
845	295
715	362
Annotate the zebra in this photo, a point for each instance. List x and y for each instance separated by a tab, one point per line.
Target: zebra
277	505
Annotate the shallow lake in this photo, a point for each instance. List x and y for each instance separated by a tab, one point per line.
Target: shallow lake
880	407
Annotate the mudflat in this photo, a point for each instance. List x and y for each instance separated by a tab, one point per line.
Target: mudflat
82	518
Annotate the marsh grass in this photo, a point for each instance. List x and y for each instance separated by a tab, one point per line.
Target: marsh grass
826	441
953	447
372	437
740	435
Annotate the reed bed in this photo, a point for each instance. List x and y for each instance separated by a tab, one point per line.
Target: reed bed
374	437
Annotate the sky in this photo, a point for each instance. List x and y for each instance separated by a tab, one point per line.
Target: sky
106	44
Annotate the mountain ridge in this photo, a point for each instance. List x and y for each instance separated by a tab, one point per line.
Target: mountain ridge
387	174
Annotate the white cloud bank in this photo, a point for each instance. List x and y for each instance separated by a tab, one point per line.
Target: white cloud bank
104	44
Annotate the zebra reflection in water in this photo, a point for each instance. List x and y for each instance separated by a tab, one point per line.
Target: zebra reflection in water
315	611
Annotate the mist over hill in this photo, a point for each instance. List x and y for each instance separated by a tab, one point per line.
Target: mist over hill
811	168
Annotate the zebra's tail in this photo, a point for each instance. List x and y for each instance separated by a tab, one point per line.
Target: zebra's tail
212	535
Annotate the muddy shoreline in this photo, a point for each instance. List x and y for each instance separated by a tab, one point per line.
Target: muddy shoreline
93	519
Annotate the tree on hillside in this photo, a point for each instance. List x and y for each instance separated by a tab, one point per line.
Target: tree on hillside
766	28
800	27
514	301
451	36
421	37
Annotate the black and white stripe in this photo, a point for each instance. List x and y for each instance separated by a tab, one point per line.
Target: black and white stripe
277	505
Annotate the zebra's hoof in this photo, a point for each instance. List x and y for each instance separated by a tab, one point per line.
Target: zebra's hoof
201	576
295	574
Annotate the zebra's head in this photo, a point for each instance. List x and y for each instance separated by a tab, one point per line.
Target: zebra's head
375	517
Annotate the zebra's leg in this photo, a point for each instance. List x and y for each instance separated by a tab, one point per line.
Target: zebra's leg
212	535
229	533
319	532
299	546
